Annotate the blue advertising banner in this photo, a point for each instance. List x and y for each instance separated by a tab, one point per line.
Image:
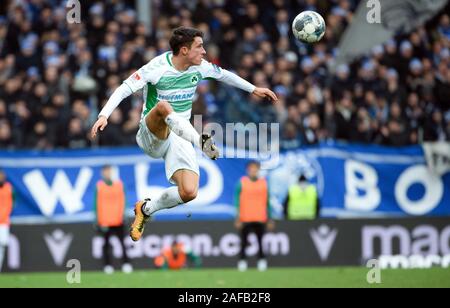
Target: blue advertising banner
366	181
352	181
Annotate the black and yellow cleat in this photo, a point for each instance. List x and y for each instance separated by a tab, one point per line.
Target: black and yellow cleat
208	146
140	219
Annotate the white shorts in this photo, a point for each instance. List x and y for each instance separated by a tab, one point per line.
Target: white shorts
4	235
177	153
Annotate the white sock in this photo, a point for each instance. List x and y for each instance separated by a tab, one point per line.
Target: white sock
2	254
183	128
168	199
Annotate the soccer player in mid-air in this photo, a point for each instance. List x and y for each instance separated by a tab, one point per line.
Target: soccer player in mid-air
170	81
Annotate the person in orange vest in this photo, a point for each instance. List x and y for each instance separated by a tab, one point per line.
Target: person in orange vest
176	257
109	209
253	212
6	206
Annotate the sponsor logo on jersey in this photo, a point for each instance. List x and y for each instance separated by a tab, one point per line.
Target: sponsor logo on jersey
176	97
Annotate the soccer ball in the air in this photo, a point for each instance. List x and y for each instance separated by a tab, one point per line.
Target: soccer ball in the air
308	27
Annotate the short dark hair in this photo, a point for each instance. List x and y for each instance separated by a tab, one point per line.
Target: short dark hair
104	167
253	162
183	36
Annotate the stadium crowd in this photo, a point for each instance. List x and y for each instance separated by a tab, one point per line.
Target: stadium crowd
55	76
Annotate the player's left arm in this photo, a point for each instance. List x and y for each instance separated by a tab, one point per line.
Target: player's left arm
212	71
135	82
95	207
237	197
14	197
124	200
194	259
270	222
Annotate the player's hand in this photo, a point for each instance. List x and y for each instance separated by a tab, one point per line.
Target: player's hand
265	93
100	124
238	224
271	225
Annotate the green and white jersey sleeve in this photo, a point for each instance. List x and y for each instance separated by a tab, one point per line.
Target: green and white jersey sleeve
146	74
140	79
212	71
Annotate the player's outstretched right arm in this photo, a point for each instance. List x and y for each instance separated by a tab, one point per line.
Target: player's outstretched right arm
210	70
265	93
116	98
134	83
100	124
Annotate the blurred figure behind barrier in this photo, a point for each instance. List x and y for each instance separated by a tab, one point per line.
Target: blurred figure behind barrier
176	257
302	201
253	213
109	210
6	206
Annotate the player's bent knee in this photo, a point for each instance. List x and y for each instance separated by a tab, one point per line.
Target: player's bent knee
188	194
163	108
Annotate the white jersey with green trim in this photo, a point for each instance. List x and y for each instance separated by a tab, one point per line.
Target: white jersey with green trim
161	81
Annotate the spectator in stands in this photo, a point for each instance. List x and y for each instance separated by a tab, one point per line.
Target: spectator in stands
396	132
114	135
6	140
76	135
344	117
435	129
47	66
290	139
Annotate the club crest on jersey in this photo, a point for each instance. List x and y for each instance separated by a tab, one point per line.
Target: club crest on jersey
194	79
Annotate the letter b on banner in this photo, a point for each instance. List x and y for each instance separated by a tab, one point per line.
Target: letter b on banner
361	181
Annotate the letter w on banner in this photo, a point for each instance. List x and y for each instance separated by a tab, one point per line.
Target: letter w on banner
376	21
437	155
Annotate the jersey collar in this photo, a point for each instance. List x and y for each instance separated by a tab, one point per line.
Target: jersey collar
168	56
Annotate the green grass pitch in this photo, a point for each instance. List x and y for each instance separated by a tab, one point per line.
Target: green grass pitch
347	277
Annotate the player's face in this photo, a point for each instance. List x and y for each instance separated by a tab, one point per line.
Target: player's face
197	51
175	249
253	171
106	174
